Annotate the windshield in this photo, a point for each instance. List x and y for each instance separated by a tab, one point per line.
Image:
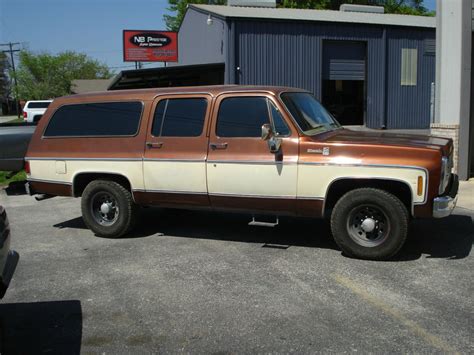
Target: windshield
308	113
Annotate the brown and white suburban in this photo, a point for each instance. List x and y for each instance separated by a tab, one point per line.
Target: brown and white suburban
259	150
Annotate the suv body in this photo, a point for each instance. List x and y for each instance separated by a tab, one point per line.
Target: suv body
34	110
261	150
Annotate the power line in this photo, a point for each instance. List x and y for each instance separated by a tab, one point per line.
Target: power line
11	51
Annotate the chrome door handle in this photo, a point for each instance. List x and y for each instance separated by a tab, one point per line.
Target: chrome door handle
218	146
154	144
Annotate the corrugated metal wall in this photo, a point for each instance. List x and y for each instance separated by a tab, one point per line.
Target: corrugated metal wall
290	54
409	106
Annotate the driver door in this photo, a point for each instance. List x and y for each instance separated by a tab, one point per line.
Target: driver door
242	173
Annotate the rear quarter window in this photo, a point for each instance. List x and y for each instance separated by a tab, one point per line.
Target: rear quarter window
95	119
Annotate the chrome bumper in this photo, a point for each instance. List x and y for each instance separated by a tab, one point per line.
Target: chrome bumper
443	206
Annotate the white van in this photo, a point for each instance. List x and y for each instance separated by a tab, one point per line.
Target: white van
34	110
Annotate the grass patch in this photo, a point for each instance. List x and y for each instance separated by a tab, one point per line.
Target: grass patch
17	120
19	176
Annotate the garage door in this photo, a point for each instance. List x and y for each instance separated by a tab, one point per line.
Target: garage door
344	60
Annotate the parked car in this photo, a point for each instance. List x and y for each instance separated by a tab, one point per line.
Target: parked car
34	110
14	140
258	150
8	258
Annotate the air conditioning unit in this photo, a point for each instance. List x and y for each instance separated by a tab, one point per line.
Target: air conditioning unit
252	3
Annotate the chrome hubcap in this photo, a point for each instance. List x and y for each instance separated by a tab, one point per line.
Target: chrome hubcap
105	208
368	226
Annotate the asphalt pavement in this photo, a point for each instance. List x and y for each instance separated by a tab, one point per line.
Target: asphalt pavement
198	282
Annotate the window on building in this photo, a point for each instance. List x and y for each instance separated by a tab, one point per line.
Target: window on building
409	66
242	117
95	119
179	117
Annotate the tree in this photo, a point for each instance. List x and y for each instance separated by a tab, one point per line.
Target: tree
407	7
43	76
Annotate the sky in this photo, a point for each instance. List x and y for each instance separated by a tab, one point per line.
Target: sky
93	27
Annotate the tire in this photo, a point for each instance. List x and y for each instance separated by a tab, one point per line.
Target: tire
370	224
108	208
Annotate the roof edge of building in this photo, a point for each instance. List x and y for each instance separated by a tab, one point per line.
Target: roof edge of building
285	14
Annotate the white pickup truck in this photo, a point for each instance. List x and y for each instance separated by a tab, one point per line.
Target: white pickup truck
34	110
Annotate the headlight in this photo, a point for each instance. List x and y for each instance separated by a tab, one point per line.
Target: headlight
446	167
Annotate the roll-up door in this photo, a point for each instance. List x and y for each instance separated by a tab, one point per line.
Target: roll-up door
344	60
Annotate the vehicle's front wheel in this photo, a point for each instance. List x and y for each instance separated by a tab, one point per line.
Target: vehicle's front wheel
369	223
108	208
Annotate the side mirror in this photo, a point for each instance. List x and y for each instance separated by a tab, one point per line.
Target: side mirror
274	143
267	131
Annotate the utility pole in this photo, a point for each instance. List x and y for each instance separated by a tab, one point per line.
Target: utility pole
11	51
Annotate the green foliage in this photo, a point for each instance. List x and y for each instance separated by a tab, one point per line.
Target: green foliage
4	180
179	8
44	76
407	7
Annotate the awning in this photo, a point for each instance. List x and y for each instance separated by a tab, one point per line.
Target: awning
183	75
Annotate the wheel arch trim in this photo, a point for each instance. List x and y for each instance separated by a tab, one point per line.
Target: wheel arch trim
77	174
404	182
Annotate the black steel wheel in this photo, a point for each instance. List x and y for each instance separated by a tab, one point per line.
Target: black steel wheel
368	225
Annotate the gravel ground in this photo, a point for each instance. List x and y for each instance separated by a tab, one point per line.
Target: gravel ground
196	282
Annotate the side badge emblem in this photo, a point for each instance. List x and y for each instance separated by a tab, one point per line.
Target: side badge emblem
324	151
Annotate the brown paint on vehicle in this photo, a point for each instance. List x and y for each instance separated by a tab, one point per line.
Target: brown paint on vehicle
49	188
364	148
171	199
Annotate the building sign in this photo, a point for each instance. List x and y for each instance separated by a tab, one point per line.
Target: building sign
150	46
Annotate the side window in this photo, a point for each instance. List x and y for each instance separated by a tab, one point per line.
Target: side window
179	117
278	121
242	117
95	119
409	65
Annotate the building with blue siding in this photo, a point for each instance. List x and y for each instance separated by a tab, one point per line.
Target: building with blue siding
368	69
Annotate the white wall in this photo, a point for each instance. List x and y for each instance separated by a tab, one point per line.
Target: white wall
453	60
453	76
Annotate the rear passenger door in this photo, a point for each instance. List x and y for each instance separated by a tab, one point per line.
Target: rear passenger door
174	164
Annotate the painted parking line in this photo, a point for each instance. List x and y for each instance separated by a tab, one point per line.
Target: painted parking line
431	339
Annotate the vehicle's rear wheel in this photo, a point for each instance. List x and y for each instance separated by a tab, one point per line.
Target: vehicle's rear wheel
108	208
369	224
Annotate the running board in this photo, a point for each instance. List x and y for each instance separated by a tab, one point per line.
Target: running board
253	222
